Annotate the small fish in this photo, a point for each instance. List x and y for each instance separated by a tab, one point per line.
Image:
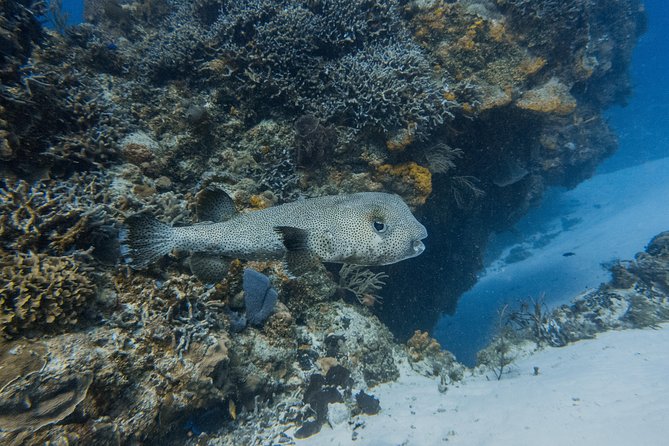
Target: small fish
366	228
568	254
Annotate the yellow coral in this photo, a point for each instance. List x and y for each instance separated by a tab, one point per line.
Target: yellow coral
497	31
421	345
531	66
449	96
408	179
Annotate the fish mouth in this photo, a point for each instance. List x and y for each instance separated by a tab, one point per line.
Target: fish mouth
417	247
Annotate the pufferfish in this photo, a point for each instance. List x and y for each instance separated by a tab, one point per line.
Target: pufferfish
365	228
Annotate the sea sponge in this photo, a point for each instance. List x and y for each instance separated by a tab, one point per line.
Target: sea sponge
411	181
40	292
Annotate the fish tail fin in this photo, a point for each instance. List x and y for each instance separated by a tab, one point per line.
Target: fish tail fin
145	240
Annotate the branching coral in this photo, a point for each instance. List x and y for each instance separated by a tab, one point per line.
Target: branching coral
57	216
39	292
20	30
53	116
386	85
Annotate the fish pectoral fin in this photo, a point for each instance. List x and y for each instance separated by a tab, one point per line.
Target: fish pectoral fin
300	262
209	268
214	205
294	239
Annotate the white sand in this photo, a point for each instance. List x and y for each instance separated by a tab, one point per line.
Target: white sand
613	390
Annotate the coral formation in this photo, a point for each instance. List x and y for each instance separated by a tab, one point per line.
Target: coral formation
552	97
52	398
427	358
57	216
39	292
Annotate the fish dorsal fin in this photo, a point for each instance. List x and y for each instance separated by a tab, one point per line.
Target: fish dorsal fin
294	239
214	205
209	268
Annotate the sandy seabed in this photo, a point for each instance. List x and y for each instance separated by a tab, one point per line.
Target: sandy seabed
612	390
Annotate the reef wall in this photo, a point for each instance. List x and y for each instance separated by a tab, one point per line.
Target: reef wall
467	109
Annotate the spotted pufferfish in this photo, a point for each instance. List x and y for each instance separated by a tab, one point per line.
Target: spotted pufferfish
366	228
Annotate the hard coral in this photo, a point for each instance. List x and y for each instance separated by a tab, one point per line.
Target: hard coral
348	62
421	345
57	216
39	292
21	31
427	358
54	116
51	396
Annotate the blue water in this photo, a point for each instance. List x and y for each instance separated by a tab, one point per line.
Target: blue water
643	130
642	126
74	10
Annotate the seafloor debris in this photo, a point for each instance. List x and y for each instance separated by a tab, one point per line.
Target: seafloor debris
466	109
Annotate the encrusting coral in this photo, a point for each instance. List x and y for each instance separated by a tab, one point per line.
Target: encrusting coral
411	181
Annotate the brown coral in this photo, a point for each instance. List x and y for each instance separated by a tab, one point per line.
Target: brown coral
37	400
42	292
137	153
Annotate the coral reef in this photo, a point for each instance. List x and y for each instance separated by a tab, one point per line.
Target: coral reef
427	358
467	109
58	216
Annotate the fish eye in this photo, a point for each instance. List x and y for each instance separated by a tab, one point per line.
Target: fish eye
380	226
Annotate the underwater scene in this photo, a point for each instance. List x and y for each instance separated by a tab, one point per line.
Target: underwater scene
334	222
